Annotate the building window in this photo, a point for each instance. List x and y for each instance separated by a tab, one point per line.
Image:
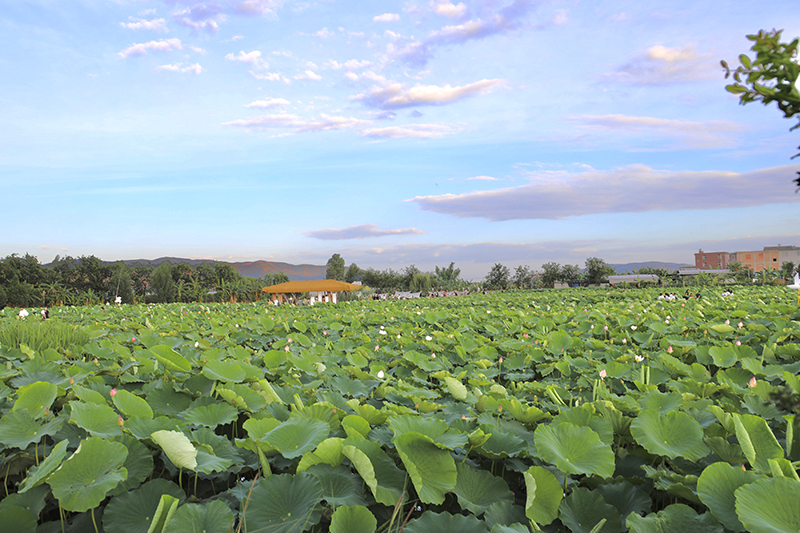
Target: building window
704	257
705	265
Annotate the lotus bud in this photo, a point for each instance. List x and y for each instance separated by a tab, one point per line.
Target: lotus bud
753	382
738	343
603	373
113	392
670	350
133	339
381	374
120	421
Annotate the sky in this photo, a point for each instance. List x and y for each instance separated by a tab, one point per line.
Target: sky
392	133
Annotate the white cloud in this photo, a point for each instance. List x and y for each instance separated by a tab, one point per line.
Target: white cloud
448	9
324	33
179	67
142	24
294	122
308	75
352	76
660	65
632	189
363	231
237	37
395	95
482	178
271	76
269	102
198	50
200	17
386	17
421	131
252	58
267	8
162	45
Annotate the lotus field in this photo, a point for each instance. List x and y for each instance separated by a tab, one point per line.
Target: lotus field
570	410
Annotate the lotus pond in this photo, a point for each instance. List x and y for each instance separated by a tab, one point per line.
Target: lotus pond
571	410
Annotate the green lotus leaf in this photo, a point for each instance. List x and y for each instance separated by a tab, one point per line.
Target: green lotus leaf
374	416
724	356
574	449
432	469
131	405
227	371
585	416
328	452
18	429
730	453
284	504
94	470
142	428
663	402
504	513
583	509
456	389
626	497
38	474
437	430
544	495
135	511
676	517
178	448
675	434
385	480
445	522
558	342
355	426
99	420
757	441
208	462
501	444
357	519
769	505
17	519
165	401
478	489
513	528
211	517
167	506
258	427
340	486
297	436
212	415
172	360
716	487
139	463
36	398
89	395
33	501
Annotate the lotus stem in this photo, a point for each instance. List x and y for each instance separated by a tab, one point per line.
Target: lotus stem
94	521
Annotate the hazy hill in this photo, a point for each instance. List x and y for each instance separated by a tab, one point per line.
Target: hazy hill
251	269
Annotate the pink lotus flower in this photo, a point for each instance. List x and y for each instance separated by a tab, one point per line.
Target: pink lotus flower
120	421
753	382
624	341
741	325
738	343
603	373
670	350
113	392
727	321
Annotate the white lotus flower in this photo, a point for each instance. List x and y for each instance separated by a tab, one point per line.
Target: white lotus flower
380	374
428	338
196	344
639	358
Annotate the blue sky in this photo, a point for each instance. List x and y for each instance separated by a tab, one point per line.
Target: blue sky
392	133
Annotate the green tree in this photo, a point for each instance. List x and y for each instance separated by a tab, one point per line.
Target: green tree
597	270
448	278
770	77
570	273
121	283
551	272
741	274
420	283
353	273
499	277
787	271
162	284
335	268
523	277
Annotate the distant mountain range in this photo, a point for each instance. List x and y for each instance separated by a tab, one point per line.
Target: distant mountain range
250	269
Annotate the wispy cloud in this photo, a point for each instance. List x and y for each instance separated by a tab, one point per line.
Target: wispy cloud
448	9
396	95
482	178
660	65
162	45
251	58
364	231
631	189
423	131
143	24
386	17
179	67
308	75
689	134
269	102
295	123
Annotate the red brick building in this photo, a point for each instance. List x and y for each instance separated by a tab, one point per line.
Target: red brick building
712	260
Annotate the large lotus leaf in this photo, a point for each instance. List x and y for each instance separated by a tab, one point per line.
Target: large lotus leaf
356	426
216	444
166	401
674	434
172	360
583	509
328	452
625	497
297	436
258	427
99	420
585	416
432	469
340	486
543	495
663	402
212	415
133	512
501	444
456	389
504	513
131	405
178	447
164	512
284	504
18	429
208	463
224	371
478	489
513	528
33	500
139	463
374	416
37	474
142	428
211	517
675	518
716	487
36	398
17	519
445	523
728	452
437	430
385	480
769	505
84	480
724	356
757	441
574	449
319	411
356	519
89	395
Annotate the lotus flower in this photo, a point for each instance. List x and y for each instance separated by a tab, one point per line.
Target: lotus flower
633	328
428	338
639	358
741	325
380	374
738	343
753	382
670	350
113	392
603	373
196	344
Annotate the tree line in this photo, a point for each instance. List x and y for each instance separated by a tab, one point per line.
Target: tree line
87	280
